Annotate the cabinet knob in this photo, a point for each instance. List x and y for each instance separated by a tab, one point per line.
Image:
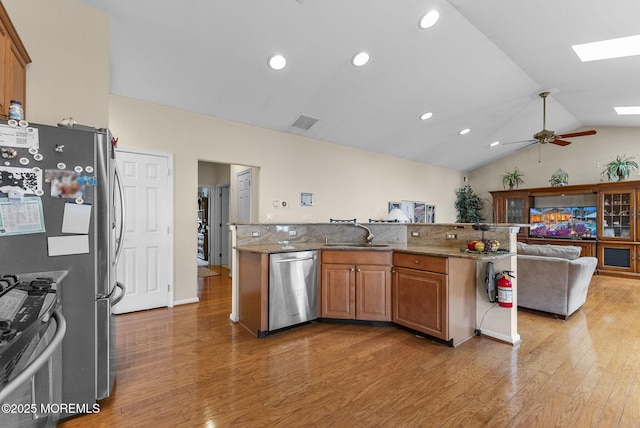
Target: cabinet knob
353	269
359	270
416	261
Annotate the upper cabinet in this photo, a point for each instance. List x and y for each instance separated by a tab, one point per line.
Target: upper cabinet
13	66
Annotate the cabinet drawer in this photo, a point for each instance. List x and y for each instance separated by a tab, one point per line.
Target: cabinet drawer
421	262
357	257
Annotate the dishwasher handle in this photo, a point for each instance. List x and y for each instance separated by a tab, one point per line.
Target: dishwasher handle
293	260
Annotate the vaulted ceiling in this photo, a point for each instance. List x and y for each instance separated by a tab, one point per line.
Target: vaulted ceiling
481	66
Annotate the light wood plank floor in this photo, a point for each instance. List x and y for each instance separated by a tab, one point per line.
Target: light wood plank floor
190	366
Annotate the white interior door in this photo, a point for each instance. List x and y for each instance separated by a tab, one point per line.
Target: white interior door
144	264
243	196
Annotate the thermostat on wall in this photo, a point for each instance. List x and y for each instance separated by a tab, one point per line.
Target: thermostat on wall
306	199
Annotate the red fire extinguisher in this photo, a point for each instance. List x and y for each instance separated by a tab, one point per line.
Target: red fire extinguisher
505	289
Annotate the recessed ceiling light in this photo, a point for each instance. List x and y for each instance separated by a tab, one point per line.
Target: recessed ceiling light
277	62
360	59
628	110
425	116
429	19
495	143
465	131
607	49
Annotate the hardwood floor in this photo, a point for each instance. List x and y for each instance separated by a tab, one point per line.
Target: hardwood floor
190	366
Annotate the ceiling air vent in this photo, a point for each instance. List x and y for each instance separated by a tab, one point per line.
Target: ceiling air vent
304	122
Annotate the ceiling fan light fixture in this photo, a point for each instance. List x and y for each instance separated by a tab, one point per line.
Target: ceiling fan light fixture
360	59
627	110
464	131
427	115
429	19
277	62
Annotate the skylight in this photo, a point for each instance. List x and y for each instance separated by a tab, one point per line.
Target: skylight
608	49
628	110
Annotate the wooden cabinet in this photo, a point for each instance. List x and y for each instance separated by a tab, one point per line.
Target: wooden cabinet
13	65
356	285
512	207
619	229
617	209
435	295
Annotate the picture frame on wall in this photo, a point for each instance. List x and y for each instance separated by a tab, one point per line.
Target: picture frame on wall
419	212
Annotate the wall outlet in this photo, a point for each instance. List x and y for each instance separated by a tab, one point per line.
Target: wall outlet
276	203
255	234
415	234
452	236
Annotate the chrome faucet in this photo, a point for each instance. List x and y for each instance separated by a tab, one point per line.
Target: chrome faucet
370	236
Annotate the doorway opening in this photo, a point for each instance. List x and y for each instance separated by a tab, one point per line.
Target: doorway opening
217	207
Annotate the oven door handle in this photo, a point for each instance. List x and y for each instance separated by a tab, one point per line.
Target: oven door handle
39	361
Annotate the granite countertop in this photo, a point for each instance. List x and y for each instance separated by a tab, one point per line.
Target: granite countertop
404	248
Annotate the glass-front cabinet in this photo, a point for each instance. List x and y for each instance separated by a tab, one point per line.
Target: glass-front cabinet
512	207
617	215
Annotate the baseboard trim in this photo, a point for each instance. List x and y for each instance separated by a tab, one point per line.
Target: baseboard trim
186	301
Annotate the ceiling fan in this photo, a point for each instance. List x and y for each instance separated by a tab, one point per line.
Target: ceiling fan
545	136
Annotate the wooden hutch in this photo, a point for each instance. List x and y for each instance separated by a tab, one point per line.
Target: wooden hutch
617	240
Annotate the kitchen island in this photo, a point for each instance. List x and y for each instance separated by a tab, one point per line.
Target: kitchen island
413	279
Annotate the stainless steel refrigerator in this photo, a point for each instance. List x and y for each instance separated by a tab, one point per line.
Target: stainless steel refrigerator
61	209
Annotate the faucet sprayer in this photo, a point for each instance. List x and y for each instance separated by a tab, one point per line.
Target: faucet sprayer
370	236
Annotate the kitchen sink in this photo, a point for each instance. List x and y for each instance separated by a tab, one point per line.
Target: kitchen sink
355	244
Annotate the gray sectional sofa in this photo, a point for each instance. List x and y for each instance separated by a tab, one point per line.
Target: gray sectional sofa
553	278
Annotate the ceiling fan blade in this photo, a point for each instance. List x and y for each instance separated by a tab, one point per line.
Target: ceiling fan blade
531	143
560	142
577	134
519	142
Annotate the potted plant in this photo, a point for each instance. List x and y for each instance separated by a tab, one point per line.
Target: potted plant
620	168
469	205
512	179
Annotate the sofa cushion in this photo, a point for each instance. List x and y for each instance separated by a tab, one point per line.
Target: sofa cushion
567	252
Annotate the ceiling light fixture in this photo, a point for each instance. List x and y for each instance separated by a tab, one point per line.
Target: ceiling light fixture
277	62
628	110
465	131
495	143
425	116
360	59
429	19
607	49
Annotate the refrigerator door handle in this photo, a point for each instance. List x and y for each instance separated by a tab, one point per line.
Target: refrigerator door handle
120	239
121	295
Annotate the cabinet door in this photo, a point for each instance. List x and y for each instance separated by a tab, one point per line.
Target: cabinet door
617	257
4	43
420	300
373	293
338	291
617	215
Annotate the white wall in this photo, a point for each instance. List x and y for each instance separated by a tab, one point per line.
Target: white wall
345	182
68	43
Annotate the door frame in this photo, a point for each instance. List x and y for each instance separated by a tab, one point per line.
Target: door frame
170	214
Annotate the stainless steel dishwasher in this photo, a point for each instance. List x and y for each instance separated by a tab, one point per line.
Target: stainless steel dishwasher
293	288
